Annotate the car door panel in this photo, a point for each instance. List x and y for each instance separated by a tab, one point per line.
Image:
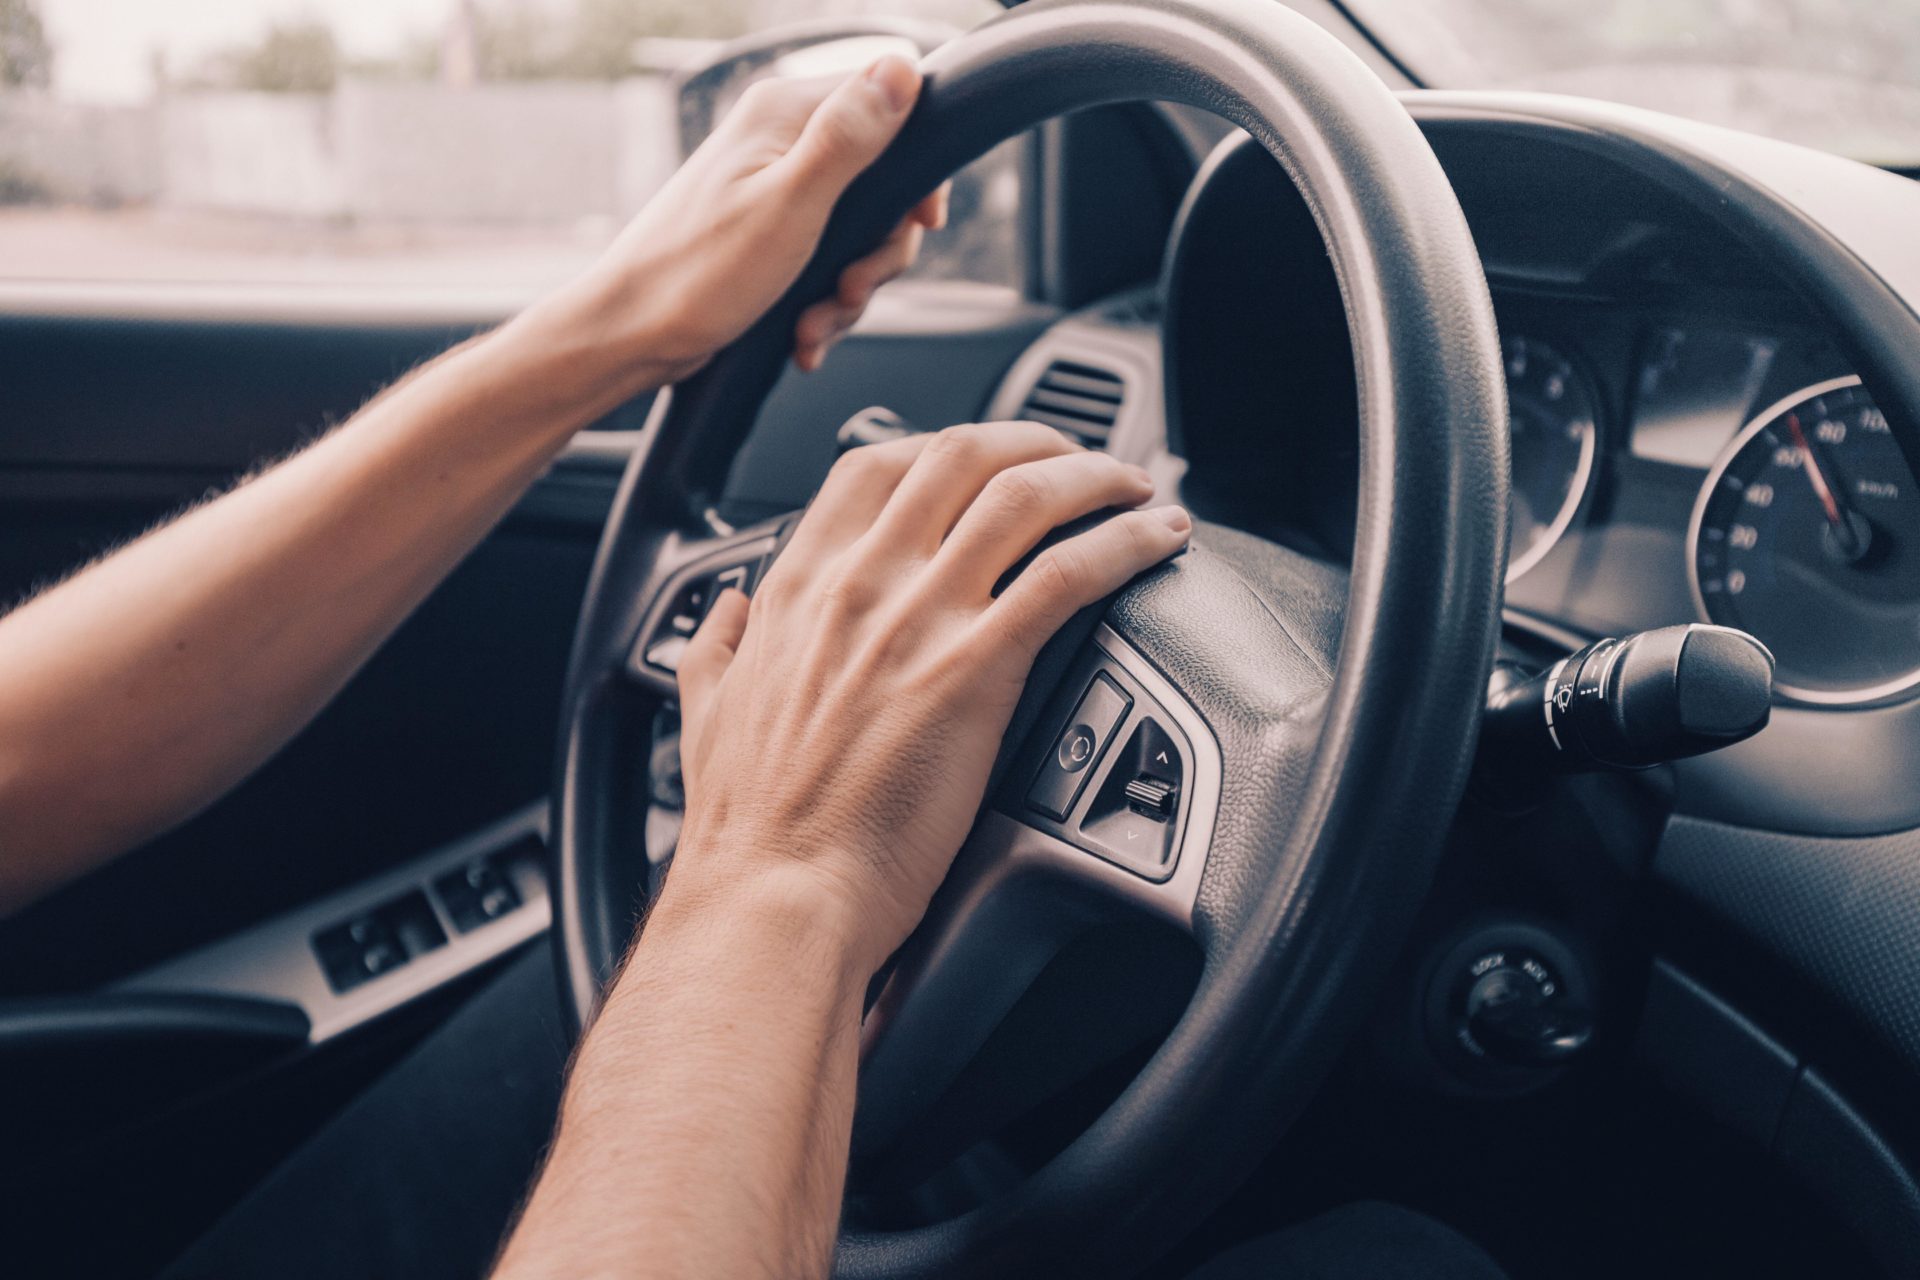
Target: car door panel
115	417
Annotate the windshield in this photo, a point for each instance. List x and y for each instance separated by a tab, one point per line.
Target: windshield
1841	75
460	145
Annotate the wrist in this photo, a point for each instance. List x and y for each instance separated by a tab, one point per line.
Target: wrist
791	911
590	347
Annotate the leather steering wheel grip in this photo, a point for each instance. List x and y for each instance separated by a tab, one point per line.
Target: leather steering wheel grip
1321	854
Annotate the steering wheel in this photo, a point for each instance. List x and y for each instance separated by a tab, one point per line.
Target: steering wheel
1256	748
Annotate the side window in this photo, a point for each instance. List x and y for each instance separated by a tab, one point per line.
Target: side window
446	143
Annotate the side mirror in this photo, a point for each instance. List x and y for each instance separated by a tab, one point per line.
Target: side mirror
824	46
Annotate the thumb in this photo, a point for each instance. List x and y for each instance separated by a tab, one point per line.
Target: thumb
709	654
848	131
705	661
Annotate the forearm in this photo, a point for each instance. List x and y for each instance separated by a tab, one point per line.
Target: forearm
139	690
705	1129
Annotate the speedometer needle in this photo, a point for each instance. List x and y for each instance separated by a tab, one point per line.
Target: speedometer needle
1841	521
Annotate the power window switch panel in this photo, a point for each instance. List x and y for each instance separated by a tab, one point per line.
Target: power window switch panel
378	941
1069	762
477	894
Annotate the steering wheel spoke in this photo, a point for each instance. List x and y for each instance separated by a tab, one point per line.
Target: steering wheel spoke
1103	816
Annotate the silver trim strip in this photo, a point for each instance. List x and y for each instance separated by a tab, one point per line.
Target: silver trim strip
276	960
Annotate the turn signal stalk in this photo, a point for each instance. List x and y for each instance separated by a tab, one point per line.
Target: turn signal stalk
1652	697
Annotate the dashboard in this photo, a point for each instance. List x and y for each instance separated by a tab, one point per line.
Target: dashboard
1689	442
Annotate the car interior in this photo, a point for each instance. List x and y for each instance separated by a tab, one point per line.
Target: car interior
1627	981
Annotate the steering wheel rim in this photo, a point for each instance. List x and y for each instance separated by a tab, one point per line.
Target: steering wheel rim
1323	845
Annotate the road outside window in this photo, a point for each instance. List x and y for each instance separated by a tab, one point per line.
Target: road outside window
493	144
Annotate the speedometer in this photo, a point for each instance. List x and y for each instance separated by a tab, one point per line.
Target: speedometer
1551	410
1807	535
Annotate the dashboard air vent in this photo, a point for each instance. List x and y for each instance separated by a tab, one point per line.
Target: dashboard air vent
1079	399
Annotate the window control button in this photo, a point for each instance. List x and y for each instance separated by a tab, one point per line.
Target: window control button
377	941
380	957
479	893
1064	772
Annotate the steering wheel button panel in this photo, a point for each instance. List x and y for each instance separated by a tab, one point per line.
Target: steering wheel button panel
1110	763
1068	766
738	563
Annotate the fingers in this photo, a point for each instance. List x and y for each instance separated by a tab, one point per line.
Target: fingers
1070	575
950	473
856	491
932	211
851	127
824	323
708	656
1023	504
778	105
895	254
819	328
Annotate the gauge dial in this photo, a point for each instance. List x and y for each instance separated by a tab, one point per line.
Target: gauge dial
1552	413
1807	534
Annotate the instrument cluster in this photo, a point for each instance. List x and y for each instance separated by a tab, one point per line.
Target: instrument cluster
1792	506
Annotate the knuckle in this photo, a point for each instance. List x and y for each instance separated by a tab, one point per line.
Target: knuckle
872	466
842	592
1003	628
758	98
1041	437
957	445
776	590
860	467
835	133
1055	572
1076	566
1023	488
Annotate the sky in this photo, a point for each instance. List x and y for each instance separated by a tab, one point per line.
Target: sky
102	48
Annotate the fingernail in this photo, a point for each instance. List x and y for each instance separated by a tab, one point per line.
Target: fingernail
896	79
1141	474
1177	519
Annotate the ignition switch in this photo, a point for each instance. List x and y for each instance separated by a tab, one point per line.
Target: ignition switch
1514	1013
1508	1003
